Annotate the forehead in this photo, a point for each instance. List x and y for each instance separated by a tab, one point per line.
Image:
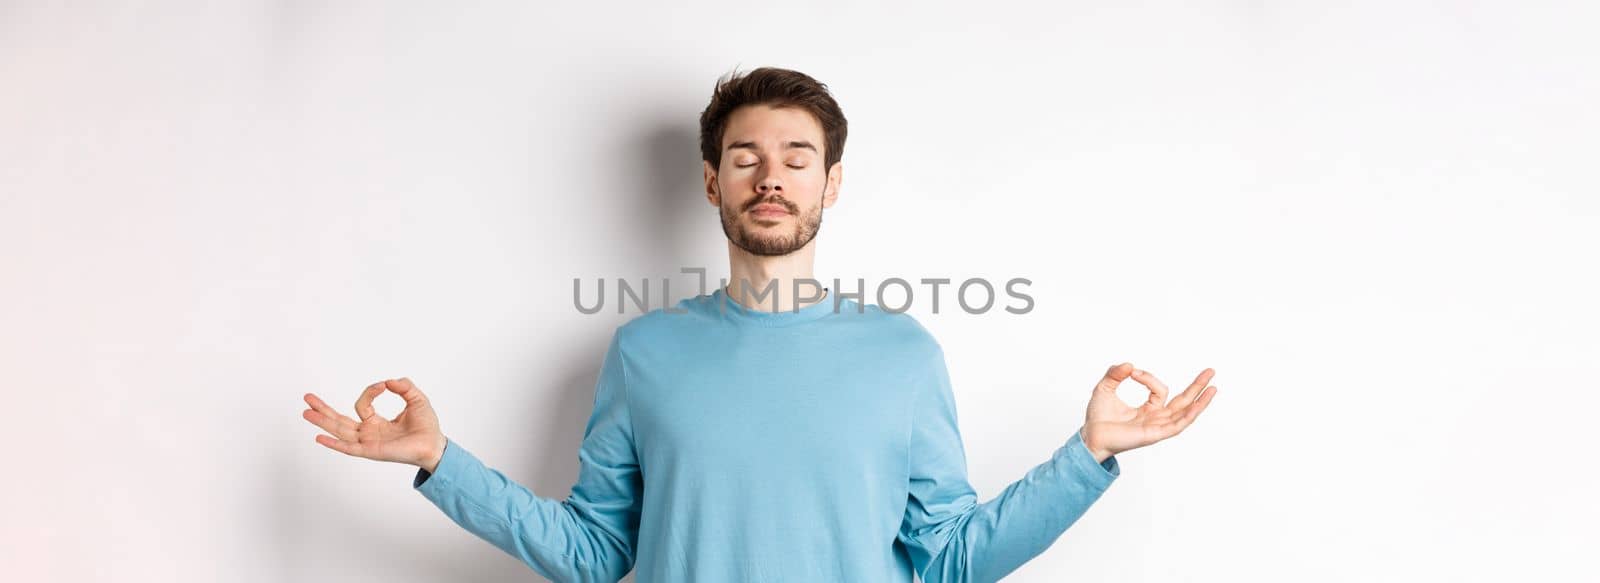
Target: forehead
769	126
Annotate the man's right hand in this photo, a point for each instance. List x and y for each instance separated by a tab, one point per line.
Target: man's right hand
412	437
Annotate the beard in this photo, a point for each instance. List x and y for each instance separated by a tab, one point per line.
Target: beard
736	225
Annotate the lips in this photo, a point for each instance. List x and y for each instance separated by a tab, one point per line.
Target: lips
769	210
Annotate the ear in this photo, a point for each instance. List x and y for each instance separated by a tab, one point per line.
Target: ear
831	191
711	184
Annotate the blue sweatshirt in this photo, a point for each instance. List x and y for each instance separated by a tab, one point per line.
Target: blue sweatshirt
730	444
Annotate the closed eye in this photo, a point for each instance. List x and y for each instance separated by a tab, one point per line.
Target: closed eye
799	167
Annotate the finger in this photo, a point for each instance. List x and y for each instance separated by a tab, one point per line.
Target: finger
1187	396
1114	376
327	411
407	390
1158	390
330	425
344	447
364	408
1193	411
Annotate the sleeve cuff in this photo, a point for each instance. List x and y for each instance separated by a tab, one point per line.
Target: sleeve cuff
449	467
1077	453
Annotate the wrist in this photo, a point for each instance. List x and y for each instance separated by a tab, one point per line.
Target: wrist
1101	455
1092	443
430	462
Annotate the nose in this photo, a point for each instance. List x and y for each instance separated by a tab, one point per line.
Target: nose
769	185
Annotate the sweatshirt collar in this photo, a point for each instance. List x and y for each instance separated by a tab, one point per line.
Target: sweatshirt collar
735	311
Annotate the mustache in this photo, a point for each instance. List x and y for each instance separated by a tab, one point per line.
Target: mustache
777	200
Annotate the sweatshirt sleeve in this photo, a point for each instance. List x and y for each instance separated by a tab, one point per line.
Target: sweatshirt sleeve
950	536
590	536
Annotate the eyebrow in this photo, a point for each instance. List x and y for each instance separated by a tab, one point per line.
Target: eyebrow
748	145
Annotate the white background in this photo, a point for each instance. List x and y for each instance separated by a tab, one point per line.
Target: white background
1377	221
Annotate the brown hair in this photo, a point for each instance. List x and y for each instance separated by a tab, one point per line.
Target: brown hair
773	87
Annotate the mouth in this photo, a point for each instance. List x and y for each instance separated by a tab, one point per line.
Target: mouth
769	211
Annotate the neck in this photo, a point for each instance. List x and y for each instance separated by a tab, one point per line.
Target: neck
751	276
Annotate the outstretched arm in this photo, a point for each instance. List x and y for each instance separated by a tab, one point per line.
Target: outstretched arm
590	536
952	538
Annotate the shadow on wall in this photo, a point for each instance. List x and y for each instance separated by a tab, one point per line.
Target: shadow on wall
310	523
672	206
680	221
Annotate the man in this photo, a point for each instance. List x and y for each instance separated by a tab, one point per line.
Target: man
750	436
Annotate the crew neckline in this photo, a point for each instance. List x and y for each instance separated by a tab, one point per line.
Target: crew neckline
734	310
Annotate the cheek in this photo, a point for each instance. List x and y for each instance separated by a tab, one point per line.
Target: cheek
813	179
808	183
731	184
735	179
